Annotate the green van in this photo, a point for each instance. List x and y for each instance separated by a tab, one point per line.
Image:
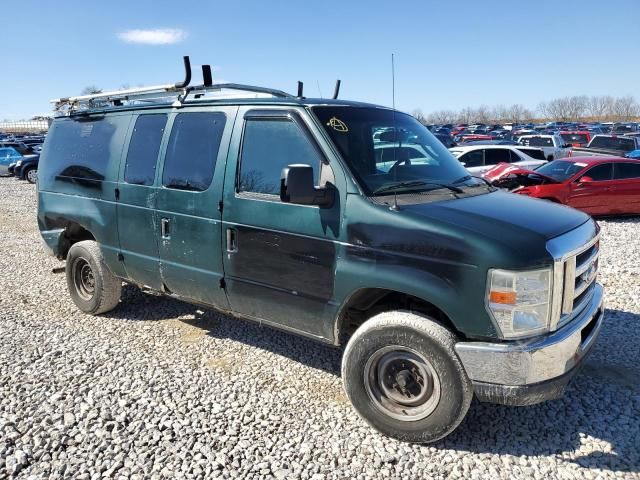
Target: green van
345	222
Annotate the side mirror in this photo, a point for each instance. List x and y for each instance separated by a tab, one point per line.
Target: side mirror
297	186
585	179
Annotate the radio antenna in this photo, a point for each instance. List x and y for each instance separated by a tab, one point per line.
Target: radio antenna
395	131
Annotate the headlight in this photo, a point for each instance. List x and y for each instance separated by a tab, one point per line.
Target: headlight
18	163
520	301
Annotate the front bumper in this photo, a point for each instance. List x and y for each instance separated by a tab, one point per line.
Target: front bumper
532	371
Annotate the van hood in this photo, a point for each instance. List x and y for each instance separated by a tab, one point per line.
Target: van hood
503	216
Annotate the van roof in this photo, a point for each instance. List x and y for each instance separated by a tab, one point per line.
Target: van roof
291	101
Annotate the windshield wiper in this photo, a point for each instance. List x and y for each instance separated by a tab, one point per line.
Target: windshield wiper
416	183
486	182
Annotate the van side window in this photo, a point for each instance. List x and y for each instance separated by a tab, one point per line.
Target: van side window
268	146
143	149
192	150
82	147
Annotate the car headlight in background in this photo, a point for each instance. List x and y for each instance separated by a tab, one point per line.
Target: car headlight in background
18	163
520	301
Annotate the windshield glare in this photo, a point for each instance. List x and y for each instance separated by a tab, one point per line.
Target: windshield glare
383	149
560	170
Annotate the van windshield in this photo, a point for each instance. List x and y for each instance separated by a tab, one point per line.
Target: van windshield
384	150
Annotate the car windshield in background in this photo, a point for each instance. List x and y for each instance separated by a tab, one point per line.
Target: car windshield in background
560	170
537	142
614	143
390	152
574	137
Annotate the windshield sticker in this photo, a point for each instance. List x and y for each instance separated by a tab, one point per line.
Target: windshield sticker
338	125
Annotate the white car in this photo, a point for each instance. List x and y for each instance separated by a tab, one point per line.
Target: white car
481	158
554	146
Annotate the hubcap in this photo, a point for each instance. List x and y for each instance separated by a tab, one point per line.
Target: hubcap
402	383
32	175
83	278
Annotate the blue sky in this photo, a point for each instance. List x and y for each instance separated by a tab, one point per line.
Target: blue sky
449	55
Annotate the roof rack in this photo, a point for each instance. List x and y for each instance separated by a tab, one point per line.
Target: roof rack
175	93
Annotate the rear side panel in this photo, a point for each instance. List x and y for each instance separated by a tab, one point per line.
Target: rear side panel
78	178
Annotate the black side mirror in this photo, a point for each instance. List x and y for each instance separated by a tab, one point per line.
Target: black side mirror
296	186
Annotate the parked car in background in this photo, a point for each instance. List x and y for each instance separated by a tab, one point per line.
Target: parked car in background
8	156
492	142
597	185
617	145
446	140
622	128
26	168
471	137
19	146
553	145
480	158
576	138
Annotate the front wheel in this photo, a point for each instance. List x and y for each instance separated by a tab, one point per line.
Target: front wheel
402	375
31	175
92	286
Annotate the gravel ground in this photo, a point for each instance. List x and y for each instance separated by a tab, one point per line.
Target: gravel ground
161	389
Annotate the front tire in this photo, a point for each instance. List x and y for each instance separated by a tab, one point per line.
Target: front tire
31	175
402	375
92	286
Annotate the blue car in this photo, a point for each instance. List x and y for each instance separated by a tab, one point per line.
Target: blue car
633	154
8	155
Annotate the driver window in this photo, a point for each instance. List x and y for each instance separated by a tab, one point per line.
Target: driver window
268	146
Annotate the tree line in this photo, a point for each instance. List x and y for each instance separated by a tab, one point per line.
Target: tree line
600	108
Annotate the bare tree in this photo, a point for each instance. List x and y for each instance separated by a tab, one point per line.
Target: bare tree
599	106
625	108
442	116
418	115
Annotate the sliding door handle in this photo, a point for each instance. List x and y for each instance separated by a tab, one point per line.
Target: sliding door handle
232	240
164	228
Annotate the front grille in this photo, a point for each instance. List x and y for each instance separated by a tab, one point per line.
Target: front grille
580	272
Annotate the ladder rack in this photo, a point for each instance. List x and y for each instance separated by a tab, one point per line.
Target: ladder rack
176	93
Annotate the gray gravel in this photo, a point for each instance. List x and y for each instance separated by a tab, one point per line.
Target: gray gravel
162	389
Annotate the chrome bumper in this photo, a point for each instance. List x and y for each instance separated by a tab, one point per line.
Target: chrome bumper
534	362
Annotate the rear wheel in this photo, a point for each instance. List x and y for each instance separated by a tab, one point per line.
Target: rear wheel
31	175
402	375
92	286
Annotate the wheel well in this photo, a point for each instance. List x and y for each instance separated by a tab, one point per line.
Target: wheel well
73	233
366	303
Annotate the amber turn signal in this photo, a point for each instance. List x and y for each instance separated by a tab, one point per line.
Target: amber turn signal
506	298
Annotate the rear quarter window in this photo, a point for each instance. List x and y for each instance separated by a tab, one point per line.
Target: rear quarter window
82	148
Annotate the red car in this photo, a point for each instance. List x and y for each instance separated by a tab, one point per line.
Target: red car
576	138
597	185
471	137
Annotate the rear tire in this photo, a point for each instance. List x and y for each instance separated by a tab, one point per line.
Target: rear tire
402	375
92	286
